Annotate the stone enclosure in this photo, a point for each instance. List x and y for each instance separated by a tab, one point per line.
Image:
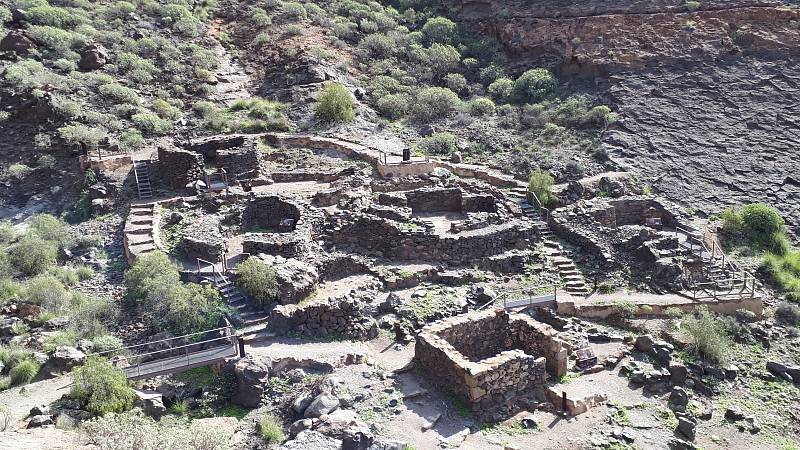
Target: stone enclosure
490	357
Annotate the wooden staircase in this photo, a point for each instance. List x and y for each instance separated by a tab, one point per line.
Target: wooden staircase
142	174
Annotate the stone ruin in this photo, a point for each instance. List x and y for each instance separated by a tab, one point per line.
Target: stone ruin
491	359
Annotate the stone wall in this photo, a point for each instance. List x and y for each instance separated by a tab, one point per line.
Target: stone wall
283	244
210	146
478	203
334	317
267	211
381	237
178	167
487	356
240	163
434	200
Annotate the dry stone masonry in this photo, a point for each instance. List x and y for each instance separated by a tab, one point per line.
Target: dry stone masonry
487	357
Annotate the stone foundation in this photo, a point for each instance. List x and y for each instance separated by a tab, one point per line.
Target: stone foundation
486	357
334	317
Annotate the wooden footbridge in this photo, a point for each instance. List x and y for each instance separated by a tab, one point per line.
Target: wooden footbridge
177	354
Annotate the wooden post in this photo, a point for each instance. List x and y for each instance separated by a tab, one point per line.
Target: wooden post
564	401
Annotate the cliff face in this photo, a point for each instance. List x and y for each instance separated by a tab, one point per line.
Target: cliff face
707	98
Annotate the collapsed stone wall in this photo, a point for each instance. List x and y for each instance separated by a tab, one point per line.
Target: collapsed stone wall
179	167
434	199
340	316
382	237
487	356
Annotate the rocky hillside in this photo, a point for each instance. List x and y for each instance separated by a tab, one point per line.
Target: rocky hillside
704	90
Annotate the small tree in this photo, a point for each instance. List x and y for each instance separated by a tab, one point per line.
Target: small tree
541	184
150	268
534	85
259	280
102	386
335	104
439	29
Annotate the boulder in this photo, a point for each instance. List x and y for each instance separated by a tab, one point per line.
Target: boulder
300	425
666	272
93	57
678	399
788	373
42	410
322	404
250	377
678	373
456	158
687	427
734	415
152	403
77	415
300	404
310	439
644	343
17	42
63	360
40	421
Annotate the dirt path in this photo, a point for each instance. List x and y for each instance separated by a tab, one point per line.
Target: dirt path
20	400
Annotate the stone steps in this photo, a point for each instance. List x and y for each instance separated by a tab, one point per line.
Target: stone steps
244	313
141	230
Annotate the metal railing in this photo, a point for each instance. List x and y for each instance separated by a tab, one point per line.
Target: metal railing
540	206
526	298
202	263
176	358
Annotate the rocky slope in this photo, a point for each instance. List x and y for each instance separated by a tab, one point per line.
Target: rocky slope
706	92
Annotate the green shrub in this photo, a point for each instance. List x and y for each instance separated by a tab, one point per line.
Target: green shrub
335	104
151	124
709	340
378	46
24	372
83	272
18	170
13	355
439	144
52	16
52	229
5	383
165	110
79	133
120	93
46	162
106	343
491	73
534	85
129	430
150	268
33	255
102	386
294	11
9	290
68	338
270	430
759	225
7	232
65	275
258	280
441	59
541	184
393	106
501	89
439	29
481	106
87	315
434	103
455	82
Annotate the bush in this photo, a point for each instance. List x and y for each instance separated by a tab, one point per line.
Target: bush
709	340
81	134
7	232
270	430
441	59
121	94
151	124
9	290
534	85
258	280
393	106
46	291
295	11
439	29
788	313
439	144
87	315
165	110
24	372
434	103
481	106
378	46
501	89
335	104
541	184
52	229
106	343
18	170
33	255
130	430
103	387
455	82
759	224
52	16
